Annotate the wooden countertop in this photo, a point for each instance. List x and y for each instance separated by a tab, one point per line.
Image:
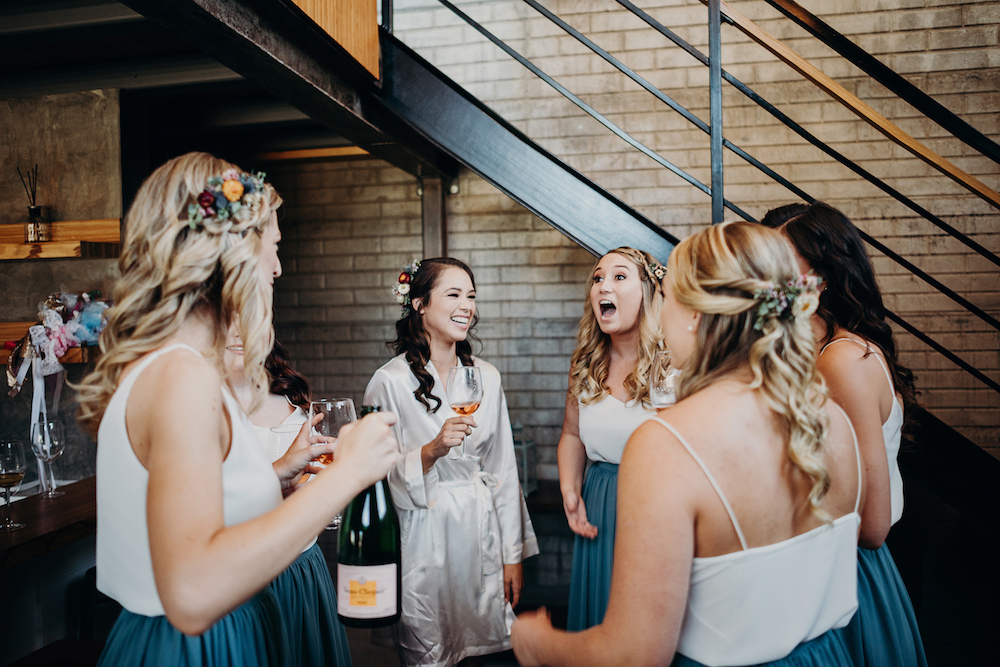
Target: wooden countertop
51	523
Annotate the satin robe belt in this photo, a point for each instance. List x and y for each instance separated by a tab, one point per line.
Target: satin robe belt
489	544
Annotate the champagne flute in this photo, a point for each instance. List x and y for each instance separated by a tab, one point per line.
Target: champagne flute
13	465
47	442
465	393
662	381
336	412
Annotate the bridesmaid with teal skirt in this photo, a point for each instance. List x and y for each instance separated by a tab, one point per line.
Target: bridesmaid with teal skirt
858	360
608	399
306	596
738	506
192	525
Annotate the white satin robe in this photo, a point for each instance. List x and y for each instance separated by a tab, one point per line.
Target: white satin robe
460	523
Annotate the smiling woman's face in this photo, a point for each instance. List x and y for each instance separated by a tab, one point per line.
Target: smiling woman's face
450	306
616	294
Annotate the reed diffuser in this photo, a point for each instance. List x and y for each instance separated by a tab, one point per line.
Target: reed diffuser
36	230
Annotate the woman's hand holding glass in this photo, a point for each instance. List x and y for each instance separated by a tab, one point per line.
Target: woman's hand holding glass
452	434
368	448
298	459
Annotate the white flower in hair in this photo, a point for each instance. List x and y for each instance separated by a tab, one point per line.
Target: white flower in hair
805	304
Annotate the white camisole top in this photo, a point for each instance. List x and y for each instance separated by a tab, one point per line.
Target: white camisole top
607	424
756	605
892	433
124	565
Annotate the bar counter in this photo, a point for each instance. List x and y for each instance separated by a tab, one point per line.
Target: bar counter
48	595
50	523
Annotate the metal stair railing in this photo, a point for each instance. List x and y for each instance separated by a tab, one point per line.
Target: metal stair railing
719	142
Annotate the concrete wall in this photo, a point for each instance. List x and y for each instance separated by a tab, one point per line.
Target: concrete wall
75	140
948	48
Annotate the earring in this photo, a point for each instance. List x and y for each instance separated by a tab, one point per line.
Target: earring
690	327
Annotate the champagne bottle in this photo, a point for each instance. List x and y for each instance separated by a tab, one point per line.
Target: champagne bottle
369	572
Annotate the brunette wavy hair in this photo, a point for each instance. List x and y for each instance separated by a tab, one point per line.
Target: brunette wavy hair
831	244
284	380
591	359
778	216
411	338
717	272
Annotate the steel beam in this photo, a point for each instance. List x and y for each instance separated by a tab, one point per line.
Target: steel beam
269	44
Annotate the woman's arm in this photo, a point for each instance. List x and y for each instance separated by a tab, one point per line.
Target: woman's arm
414	479
572	458
858	384
181	433
654	545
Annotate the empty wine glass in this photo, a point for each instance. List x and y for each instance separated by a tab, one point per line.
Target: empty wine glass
47	442
13	465
465	393
336	412
662	381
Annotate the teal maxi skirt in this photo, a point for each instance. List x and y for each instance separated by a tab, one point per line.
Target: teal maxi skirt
884	632
827	650
308	606
249	636
590	582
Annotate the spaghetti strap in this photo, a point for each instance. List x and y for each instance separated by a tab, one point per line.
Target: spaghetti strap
857	451
715	485
878	358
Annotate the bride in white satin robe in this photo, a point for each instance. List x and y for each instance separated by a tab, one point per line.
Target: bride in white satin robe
462	522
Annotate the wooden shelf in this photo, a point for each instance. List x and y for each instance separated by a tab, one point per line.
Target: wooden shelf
16	331
72	238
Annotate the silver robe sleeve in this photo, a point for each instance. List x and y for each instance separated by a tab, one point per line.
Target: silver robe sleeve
518	539
411	488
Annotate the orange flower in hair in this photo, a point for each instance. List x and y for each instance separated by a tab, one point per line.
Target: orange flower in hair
232	189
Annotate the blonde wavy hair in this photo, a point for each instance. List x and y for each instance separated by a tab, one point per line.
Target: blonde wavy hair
592	356
170	270
715	272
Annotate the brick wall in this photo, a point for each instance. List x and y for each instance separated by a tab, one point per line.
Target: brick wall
349	228
948	48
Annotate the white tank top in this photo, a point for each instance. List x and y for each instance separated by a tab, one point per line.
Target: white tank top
124	565
756	605
607	424
263	433
892	433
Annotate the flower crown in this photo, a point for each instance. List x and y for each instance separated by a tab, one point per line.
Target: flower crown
796	298
657	269
401	290
234	195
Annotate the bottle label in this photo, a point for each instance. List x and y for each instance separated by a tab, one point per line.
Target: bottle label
366	591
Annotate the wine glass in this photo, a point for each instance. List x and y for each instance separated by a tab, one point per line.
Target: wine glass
465	393
13	465
280	439
662	381
336	412
47	442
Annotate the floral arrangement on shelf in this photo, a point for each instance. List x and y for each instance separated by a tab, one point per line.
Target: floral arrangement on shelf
64	321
